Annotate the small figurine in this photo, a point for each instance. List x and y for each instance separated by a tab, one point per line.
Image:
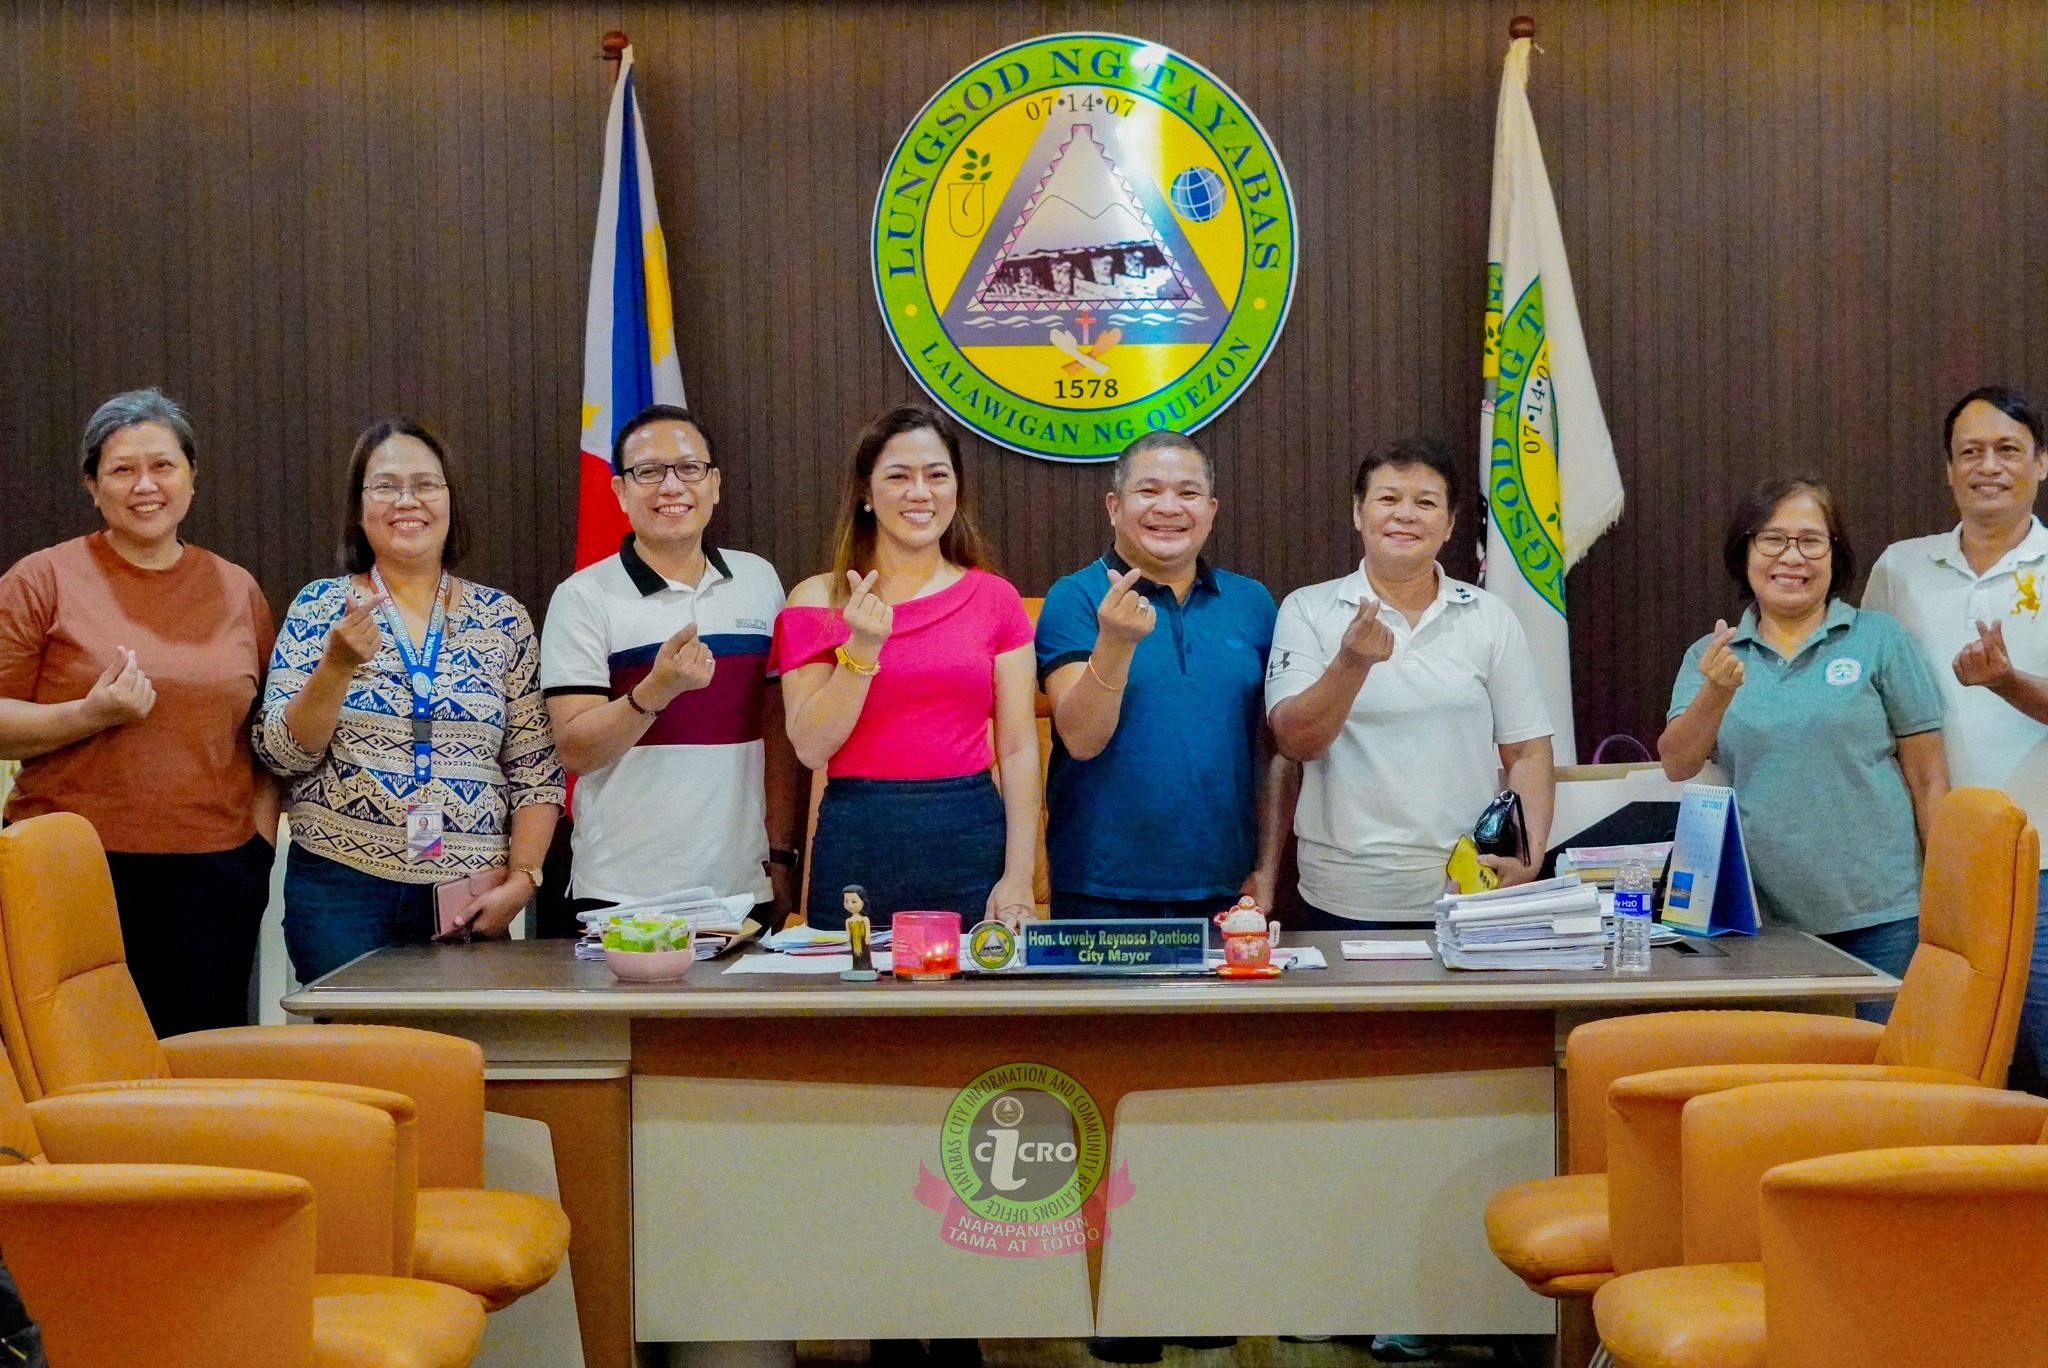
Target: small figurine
859	934
1248	940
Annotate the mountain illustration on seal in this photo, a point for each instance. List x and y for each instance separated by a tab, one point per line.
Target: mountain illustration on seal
1083	235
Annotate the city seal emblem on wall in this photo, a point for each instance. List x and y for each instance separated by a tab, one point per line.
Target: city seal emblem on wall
1082	238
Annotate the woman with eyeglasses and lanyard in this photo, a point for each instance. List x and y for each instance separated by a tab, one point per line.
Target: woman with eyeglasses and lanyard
1828	721
404	707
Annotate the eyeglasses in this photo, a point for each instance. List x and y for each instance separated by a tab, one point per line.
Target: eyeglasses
654	472
390	492
1812	545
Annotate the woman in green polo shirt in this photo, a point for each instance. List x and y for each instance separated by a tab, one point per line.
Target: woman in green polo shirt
1828	722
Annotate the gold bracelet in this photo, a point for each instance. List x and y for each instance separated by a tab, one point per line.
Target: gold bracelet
1113	688
864	671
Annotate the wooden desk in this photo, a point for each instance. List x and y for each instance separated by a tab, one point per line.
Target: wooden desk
740	1153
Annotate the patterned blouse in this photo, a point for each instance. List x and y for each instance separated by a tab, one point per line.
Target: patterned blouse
493	749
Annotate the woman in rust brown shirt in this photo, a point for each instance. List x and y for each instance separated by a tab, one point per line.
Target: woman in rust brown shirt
129	664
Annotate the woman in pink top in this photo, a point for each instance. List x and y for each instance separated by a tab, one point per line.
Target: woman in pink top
893	665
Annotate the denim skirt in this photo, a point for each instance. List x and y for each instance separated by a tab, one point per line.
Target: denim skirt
915	845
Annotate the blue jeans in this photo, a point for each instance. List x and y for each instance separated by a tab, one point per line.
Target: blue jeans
1888	946
2030	1051
333	914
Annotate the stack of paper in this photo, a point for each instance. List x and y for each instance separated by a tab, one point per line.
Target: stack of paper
1600	864
716	920
1553	924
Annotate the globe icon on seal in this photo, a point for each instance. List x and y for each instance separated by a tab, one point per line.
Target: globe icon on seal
1197	194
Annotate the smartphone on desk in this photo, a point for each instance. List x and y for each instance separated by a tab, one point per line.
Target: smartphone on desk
452	902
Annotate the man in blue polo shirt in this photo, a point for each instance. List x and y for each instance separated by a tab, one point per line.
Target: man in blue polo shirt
1161	800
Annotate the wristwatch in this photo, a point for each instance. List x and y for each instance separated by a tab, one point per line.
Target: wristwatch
532	872
785	856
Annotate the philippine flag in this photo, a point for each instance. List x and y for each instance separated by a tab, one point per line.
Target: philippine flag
629	336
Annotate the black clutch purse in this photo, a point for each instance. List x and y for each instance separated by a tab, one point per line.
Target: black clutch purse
1501	829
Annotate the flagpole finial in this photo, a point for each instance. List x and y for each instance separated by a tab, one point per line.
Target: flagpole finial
613	45
1522	26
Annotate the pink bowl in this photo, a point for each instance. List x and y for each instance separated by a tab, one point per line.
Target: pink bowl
650	966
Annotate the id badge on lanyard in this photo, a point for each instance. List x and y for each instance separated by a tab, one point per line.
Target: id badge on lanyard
423	820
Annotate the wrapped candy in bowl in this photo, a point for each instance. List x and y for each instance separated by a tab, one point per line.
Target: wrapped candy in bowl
649	947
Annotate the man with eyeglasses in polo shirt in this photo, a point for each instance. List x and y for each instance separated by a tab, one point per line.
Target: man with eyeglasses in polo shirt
654	663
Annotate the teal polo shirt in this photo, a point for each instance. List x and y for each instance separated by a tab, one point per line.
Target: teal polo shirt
1168	812
1811	748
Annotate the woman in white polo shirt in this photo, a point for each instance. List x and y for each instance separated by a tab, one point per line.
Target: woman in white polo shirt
1404	693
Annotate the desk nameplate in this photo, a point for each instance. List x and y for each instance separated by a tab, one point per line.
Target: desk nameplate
1114	947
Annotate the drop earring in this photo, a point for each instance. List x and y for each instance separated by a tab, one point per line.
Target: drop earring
867	508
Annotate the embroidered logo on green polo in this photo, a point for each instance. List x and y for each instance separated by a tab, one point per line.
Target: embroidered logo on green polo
1083	238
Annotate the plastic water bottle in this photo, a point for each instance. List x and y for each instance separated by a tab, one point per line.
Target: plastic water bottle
1632	917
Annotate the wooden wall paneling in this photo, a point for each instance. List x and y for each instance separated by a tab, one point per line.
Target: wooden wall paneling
22	370
1798	230
336	191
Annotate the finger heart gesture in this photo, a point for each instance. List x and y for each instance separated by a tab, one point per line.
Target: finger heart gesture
122	693
868	617
1367	638
1721	666
1125	614
354	637
683	664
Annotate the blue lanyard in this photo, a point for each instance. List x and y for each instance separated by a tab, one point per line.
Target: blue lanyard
419	667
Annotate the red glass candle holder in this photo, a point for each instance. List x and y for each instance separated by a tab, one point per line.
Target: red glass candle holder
925	945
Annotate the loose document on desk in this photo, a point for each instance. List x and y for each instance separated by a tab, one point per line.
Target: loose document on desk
803	964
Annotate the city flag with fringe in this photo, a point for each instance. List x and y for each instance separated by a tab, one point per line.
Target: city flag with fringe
1546	458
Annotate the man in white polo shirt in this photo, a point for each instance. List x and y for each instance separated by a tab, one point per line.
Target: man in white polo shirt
655	667
1972	598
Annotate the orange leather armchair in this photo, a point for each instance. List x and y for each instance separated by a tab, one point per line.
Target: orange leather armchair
72	1021
128	1252
87	1245
1710	1312
1908	1257
1956	1015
